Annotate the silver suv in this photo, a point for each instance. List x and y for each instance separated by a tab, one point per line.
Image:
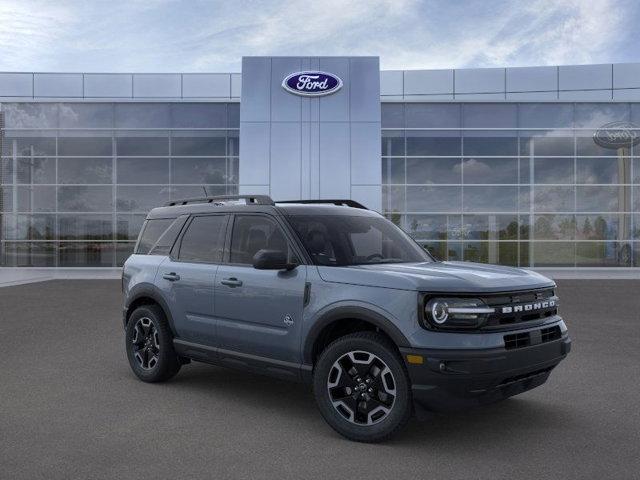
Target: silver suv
330	293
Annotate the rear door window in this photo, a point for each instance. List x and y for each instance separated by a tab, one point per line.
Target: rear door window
203	241
252	233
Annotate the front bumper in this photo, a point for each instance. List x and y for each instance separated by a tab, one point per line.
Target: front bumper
454	379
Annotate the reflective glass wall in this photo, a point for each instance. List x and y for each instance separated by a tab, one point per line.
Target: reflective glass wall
516	184
76	179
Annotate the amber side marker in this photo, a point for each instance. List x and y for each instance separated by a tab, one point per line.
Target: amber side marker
415	359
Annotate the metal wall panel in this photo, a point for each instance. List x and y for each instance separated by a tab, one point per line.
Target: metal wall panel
626	75
68	85
426	82
334	160
284	106
532	79
479	80
285	176
255	147
157	85
365	154
585	77
335	108
365	80
16	84
205	85
256	90
108	85
391	82
585	95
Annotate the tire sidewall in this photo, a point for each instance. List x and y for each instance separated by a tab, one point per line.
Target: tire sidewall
166	357
402	407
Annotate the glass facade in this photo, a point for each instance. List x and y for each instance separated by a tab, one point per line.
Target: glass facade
521	184
77	179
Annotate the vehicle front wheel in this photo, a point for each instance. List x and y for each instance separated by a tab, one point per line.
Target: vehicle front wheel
362	387
149	345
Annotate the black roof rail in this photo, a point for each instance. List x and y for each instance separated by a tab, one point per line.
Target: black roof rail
249	199
339	202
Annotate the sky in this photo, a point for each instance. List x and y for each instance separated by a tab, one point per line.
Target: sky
212	36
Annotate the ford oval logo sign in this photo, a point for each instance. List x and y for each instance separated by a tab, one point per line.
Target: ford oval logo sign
617	135
312	84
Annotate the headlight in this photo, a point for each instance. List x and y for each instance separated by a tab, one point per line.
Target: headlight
456	312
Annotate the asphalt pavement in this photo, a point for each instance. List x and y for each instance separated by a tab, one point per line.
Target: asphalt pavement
71	409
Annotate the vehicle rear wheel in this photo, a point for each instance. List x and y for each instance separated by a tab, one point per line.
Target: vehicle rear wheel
149	345
362	387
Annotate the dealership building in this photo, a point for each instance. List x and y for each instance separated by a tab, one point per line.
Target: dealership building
529	166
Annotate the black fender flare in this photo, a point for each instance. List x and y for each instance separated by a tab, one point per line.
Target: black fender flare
149	291
351	313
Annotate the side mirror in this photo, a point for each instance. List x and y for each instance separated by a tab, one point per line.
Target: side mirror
272	260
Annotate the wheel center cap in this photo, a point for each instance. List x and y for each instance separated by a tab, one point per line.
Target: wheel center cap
362	386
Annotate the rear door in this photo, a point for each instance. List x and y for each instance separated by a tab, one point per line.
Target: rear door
187	277
259	312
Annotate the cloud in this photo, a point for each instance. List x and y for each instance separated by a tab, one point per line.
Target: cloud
198	35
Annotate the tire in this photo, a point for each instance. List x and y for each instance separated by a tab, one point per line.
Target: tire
149	345
379	410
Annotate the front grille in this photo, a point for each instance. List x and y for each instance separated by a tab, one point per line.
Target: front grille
535	337
524	301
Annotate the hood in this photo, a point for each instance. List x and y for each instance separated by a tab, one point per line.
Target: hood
458	277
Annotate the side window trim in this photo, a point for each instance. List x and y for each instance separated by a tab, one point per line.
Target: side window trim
175	251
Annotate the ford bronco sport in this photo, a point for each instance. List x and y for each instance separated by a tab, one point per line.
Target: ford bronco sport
331	293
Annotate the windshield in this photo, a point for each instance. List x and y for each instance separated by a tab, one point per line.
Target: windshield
339	240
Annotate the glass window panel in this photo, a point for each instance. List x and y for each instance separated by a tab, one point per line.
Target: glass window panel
434	227
141	198
601	198
85	170
546	144
395	218
178	192
603	254
204	239
393	199
85	199
142	170
29	146
526	248
6	199
602	170
85	227
490	227
392	115
554	227
490	170
36	170
6	171
603	227
123	251
598	114
490	199
146	146
85	254
392	143
90	146
432	115
490	115
199	115
553	170
233	111
34	227
36	199
433	143
553	254
434	170
199	170
41	254
211	144
128	226
30	115
585	145
393	170
142	115
554	199
233	170
545	115
86	115
434	199
233	143
503	253
451	251
525	173
490	145
524	227
636	171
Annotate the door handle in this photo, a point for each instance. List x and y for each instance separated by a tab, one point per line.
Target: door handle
231	282
172	277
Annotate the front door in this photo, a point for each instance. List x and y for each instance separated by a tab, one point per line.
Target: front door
259	312
188	278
